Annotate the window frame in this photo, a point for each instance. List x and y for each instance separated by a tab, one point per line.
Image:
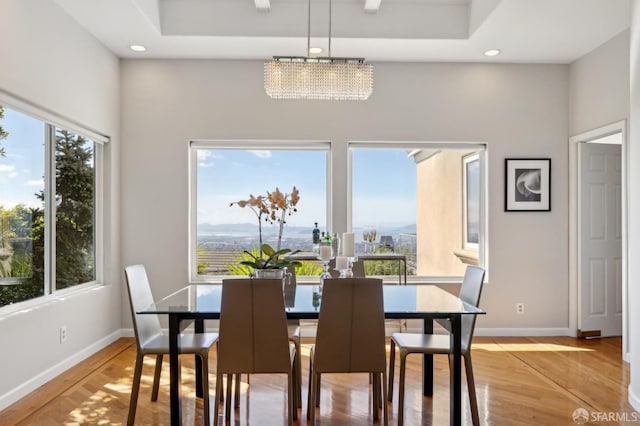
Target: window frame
51	122
480	148
239	145
466	244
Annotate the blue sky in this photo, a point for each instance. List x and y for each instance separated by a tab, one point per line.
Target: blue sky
383	183
22	170
384	180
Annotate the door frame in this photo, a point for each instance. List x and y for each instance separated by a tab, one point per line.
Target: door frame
574	235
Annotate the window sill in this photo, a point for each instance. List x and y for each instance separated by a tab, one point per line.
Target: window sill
468	257
46	300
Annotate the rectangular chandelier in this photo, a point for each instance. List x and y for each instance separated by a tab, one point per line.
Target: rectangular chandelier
292	77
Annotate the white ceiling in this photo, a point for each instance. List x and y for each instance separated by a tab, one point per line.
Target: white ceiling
537	31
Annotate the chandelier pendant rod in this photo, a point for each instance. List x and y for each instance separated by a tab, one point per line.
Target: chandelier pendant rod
308	28
329	28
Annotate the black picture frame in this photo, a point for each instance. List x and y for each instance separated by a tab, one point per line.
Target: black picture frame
527	184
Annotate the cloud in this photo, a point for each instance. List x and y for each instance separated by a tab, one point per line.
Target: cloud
205	155
35	182
208	154
8	170
261	153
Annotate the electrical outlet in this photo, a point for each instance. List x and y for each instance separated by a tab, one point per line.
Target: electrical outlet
63	334
520	308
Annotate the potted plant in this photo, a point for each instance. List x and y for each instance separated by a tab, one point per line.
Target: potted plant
270	263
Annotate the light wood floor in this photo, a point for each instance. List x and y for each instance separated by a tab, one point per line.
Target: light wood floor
519	381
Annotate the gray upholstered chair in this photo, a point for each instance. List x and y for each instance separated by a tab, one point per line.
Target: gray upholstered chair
253	336
151	340
350	337
293	327
358	272
414	343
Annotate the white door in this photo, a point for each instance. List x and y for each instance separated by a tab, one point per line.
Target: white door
600	240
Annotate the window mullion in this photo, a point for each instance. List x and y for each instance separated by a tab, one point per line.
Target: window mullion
50	210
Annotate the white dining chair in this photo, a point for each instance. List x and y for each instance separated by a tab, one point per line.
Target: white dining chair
151	340
414	343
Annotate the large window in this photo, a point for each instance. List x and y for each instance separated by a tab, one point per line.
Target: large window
421	200
224	175
48	188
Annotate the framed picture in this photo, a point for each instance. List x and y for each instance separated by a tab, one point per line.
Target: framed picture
527	184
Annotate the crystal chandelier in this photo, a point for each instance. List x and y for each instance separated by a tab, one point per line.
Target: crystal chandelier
327	78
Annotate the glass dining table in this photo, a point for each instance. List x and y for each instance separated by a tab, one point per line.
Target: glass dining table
199	302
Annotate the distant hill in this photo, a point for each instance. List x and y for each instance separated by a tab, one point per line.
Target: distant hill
251	228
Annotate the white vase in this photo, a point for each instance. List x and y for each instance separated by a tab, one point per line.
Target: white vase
272	274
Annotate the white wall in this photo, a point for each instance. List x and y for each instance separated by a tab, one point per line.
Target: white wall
48	60
518	110
600	96
634	207
599	91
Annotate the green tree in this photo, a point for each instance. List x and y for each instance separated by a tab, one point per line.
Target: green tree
3	134
74	213
74	209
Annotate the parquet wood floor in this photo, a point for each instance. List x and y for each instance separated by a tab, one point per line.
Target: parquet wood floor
519	381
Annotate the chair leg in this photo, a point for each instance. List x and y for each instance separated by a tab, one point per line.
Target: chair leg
236	394
135	388
471	385
403	365
375	387
378	389
318	379
205	389
156	378
217	398
291	399
297	362
385	410
309	393
314	390
392	366
227	405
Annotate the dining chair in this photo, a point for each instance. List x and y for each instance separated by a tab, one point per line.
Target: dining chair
151	340
350	338
414	343
293	328
253	336
358	272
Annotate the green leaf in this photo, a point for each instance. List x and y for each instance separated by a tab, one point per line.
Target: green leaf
268	250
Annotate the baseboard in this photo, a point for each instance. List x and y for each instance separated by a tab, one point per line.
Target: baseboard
523	332
30	385
634	400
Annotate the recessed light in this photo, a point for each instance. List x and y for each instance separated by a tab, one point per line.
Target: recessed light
315	50
137	48
492	52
